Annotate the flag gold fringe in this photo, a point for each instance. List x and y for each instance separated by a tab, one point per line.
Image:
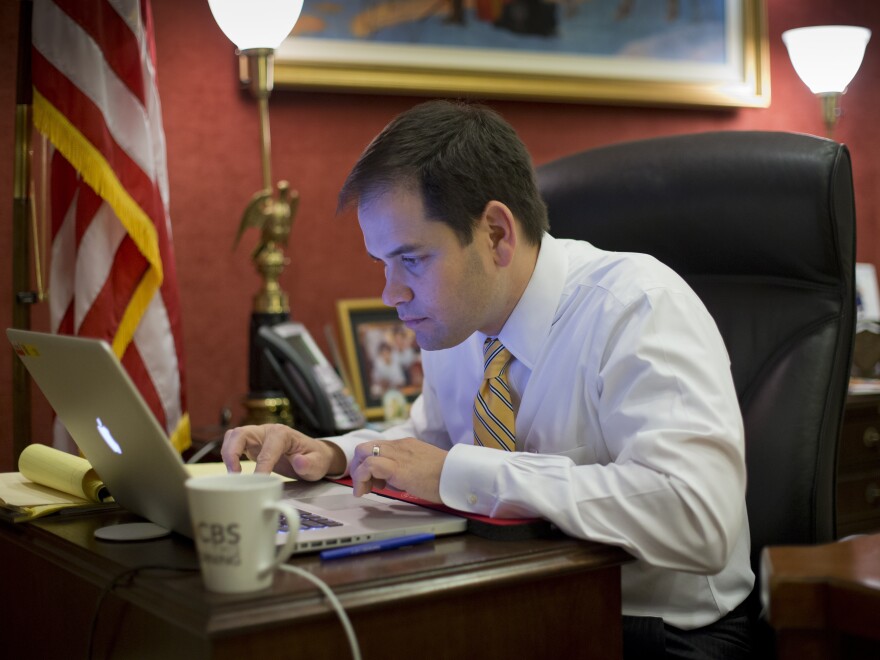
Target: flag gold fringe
181	437
134	311
96	172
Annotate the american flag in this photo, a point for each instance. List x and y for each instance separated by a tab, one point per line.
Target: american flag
112	272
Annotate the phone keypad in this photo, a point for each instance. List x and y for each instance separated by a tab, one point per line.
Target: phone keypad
345	410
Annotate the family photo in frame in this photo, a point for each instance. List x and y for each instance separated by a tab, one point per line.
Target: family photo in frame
383	358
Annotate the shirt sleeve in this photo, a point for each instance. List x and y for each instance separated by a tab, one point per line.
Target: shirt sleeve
672	492
424	422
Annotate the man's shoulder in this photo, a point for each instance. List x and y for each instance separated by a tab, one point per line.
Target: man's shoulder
594	266
598	278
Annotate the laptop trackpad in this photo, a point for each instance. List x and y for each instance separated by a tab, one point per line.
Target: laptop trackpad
330	502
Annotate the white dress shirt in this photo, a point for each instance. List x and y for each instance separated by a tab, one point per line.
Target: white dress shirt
628	428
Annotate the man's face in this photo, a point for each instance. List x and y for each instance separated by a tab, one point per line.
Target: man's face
442	291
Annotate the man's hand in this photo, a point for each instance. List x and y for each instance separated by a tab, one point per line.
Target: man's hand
408	464
282	449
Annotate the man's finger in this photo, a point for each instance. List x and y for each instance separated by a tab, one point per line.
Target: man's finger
232	449
277	441
371	473
268	456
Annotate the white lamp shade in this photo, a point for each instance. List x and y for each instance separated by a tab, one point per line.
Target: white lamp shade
826	57
256	23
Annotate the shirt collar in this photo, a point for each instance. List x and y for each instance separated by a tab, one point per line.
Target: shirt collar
529	324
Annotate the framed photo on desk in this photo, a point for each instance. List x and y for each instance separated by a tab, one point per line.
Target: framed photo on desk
382	354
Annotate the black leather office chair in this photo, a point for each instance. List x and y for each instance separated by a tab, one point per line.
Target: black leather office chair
762	226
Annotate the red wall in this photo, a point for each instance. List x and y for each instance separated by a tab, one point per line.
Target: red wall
213	154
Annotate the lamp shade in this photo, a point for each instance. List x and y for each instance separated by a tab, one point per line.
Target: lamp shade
256	23
826	57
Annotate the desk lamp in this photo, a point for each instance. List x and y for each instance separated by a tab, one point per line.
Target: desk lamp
257	28
827	58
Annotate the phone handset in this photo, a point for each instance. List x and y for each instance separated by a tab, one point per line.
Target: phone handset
314	389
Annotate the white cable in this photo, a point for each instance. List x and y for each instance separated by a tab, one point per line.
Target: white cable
334	601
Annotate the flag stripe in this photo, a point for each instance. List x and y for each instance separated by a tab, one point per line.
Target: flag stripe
101	303
88	206
63	259
164	239
112	35
112	272
151	92
79	60
64	188
135	367
70	105
156	346
99	175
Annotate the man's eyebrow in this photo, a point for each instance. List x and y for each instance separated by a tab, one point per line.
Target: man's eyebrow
402	249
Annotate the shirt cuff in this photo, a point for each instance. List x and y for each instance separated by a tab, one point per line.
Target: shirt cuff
347	443
467	482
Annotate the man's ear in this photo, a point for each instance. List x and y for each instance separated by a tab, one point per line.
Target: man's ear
502	231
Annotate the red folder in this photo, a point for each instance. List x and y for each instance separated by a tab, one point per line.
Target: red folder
502	529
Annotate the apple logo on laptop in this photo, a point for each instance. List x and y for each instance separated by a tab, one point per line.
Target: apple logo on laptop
108	438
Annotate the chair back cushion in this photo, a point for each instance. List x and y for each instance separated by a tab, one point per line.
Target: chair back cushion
762	227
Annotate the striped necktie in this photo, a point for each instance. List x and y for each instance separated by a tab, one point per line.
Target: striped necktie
493	407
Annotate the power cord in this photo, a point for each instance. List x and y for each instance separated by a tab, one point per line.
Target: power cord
128	575
334	601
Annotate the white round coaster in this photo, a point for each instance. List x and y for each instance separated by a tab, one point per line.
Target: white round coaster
139	531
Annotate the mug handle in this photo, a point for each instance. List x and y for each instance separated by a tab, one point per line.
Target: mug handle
284	552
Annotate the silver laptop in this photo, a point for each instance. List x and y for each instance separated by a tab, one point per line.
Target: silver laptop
108	419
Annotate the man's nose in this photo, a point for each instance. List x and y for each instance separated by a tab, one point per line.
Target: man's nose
395	291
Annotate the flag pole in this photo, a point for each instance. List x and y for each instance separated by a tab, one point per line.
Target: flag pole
22	202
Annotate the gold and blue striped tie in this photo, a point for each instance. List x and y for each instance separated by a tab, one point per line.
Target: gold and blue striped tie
493	406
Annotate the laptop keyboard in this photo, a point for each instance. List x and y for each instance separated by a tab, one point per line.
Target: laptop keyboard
308	521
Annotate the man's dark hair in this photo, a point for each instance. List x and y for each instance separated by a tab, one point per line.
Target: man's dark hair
459	156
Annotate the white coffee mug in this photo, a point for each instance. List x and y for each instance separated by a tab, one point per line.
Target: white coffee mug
235	522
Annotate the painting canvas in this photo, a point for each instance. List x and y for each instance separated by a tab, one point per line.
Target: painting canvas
710	52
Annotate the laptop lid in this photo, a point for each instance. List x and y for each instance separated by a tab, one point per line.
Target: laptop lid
103	411
108	419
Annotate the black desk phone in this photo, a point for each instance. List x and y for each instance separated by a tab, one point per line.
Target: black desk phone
316	392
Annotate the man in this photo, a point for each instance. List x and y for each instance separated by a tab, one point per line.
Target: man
613	412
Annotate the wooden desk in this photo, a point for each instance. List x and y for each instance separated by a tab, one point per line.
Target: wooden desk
824	601
858	466
460	596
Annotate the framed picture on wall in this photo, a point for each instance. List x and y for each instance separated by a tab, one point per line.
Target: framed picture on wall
383	357
680	52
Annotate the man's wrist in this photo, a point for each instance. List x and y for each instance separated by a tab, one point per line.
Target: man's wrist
338	462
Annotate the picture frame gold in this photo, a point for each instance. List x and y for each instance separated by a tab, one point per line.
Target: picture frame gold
520	72
366	327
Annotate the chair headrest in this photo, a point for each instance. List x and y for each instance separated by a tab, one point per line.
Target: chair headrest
688	199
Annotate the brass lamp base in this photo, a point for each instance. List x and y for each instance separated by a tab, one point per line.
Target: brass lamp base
273	216
830	111
267	410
